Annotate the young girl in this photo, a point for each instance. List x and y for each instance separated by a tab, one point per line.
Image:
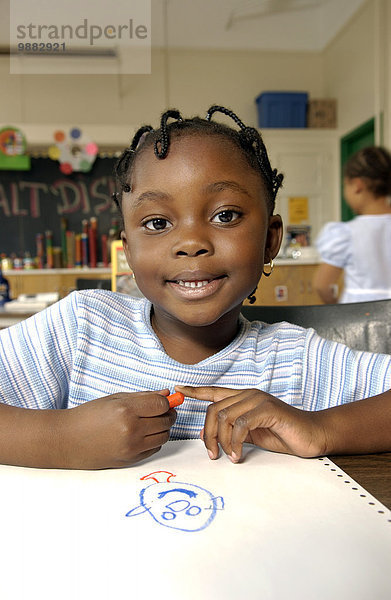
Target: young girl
360	248
197	200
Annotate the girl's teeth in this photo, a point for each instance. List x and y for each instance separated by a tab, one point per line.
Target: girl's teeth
193	284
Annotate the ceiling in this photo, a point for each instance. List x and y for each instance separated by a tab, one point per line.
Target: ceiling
269	25
297	25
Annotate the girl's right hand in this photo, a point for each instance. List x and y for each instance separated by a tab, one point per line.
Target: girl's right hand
115	431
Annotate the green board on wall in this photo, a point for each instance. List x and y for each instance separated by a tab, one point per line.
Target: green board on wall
35	200
362	136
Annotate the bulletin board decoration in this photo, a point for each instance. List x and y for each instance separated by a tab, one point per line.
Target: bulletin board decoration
74	151
13	150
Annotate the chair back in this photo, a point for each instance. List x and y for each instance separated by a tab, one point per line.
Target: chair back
83	283
360	325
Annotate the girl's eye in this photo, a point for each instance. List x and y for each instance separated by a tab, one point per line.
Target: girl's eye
226	216
157	224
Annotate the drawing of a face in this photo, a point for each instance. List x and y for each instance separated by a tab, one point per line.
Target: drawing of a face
178	505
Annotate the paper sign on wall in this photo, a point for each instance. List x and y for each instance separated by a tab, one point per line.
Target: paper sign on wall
298	209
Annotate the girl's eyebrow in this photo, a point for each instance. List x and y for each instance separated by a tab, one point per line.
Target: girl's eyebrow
221	186
150	195
216	186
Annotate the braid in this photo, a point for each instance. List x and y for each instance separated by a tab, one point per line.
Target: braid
247	140
225	111
124	163
162	142
254	139
139	134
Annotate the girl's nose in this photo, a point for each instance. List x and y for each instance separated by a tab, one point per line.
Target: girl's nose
192	241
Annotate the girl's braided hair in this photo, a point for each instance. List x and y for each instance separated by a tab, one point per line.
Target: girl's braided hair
247	139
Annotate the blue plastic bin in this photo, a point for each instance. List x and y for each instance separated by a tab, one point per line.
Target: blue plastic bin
282	109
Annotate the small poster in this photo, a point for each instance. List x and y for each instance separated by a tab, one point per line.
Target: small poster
281	293
298	210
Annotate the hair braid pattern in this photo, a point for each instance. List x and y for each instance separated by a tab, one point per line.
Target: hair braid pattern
247	139
254	139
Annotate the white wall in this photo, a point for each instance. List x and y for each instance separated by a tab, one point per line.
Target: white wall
198	79
190	80
349	69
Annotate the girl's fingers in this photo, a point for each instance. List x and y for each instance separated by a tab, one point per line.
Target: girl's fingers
160	424
232	416
208	393
211	435
219	421
230	421
235	417
241	429
156	440
143	455
148	404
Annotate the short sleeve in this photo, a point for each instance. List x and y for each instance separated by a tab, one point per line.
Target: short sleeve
334	374
334	244
36	357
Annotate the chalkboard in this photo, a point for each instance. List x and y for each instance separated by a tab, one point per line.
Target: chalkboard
34	201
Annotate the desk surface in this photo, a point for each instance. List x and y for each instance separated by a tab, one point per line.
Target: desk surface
294	531
372	471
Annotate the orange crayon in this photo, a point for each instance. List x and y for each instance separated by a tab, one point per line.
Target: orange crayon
175	399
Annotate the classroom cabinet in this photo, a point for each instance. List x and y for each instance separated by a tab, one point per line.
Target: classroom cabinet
289	284
62	281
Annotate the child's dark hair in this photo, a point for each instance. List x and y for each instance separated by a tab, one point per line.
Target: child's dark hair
247	139
374	165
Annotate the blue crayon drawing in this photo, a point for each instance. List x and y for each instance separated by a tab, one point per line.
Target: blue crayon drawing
177	505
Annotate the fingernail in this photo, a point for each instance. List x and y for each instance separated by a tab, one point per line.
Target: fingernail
233	457
211	455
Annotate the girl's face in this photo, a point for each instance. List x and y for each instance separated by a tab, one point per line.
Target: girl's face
196	229
352	191
349	191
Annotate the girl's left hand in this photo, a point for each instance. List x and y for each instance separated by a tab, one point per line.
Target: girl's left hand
238	416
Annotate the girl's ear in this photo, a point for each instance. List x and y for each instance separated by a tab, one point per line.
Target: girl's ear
126	249
358	184
273	238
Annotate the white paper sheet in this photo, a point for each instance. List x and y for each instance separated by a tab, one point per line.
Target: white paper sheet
274	527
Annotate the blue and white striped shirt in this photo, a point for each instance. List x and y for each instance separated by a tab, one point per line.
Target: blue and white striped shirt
95	343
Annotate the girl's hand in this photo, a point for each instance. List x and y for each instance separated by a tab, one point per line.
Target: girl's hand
238	416
115	431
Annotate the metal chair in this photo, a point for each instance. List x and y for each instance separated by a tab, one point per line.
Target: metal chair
361	325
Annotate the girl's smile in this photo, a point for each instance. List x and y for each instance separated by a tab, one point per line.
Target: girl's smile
196	284
197	233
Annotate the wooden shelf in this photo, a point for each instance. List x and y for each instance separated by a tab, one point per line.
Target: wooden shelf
63	281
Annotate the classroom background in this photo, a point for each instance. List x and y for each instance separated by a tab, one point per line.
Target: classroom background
57	227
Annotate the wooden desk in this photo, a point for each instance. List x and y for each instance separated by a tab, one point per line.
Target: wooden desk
372	471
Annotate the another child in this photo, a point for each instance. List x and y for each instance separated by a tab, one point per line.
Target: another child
197	201
360	248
